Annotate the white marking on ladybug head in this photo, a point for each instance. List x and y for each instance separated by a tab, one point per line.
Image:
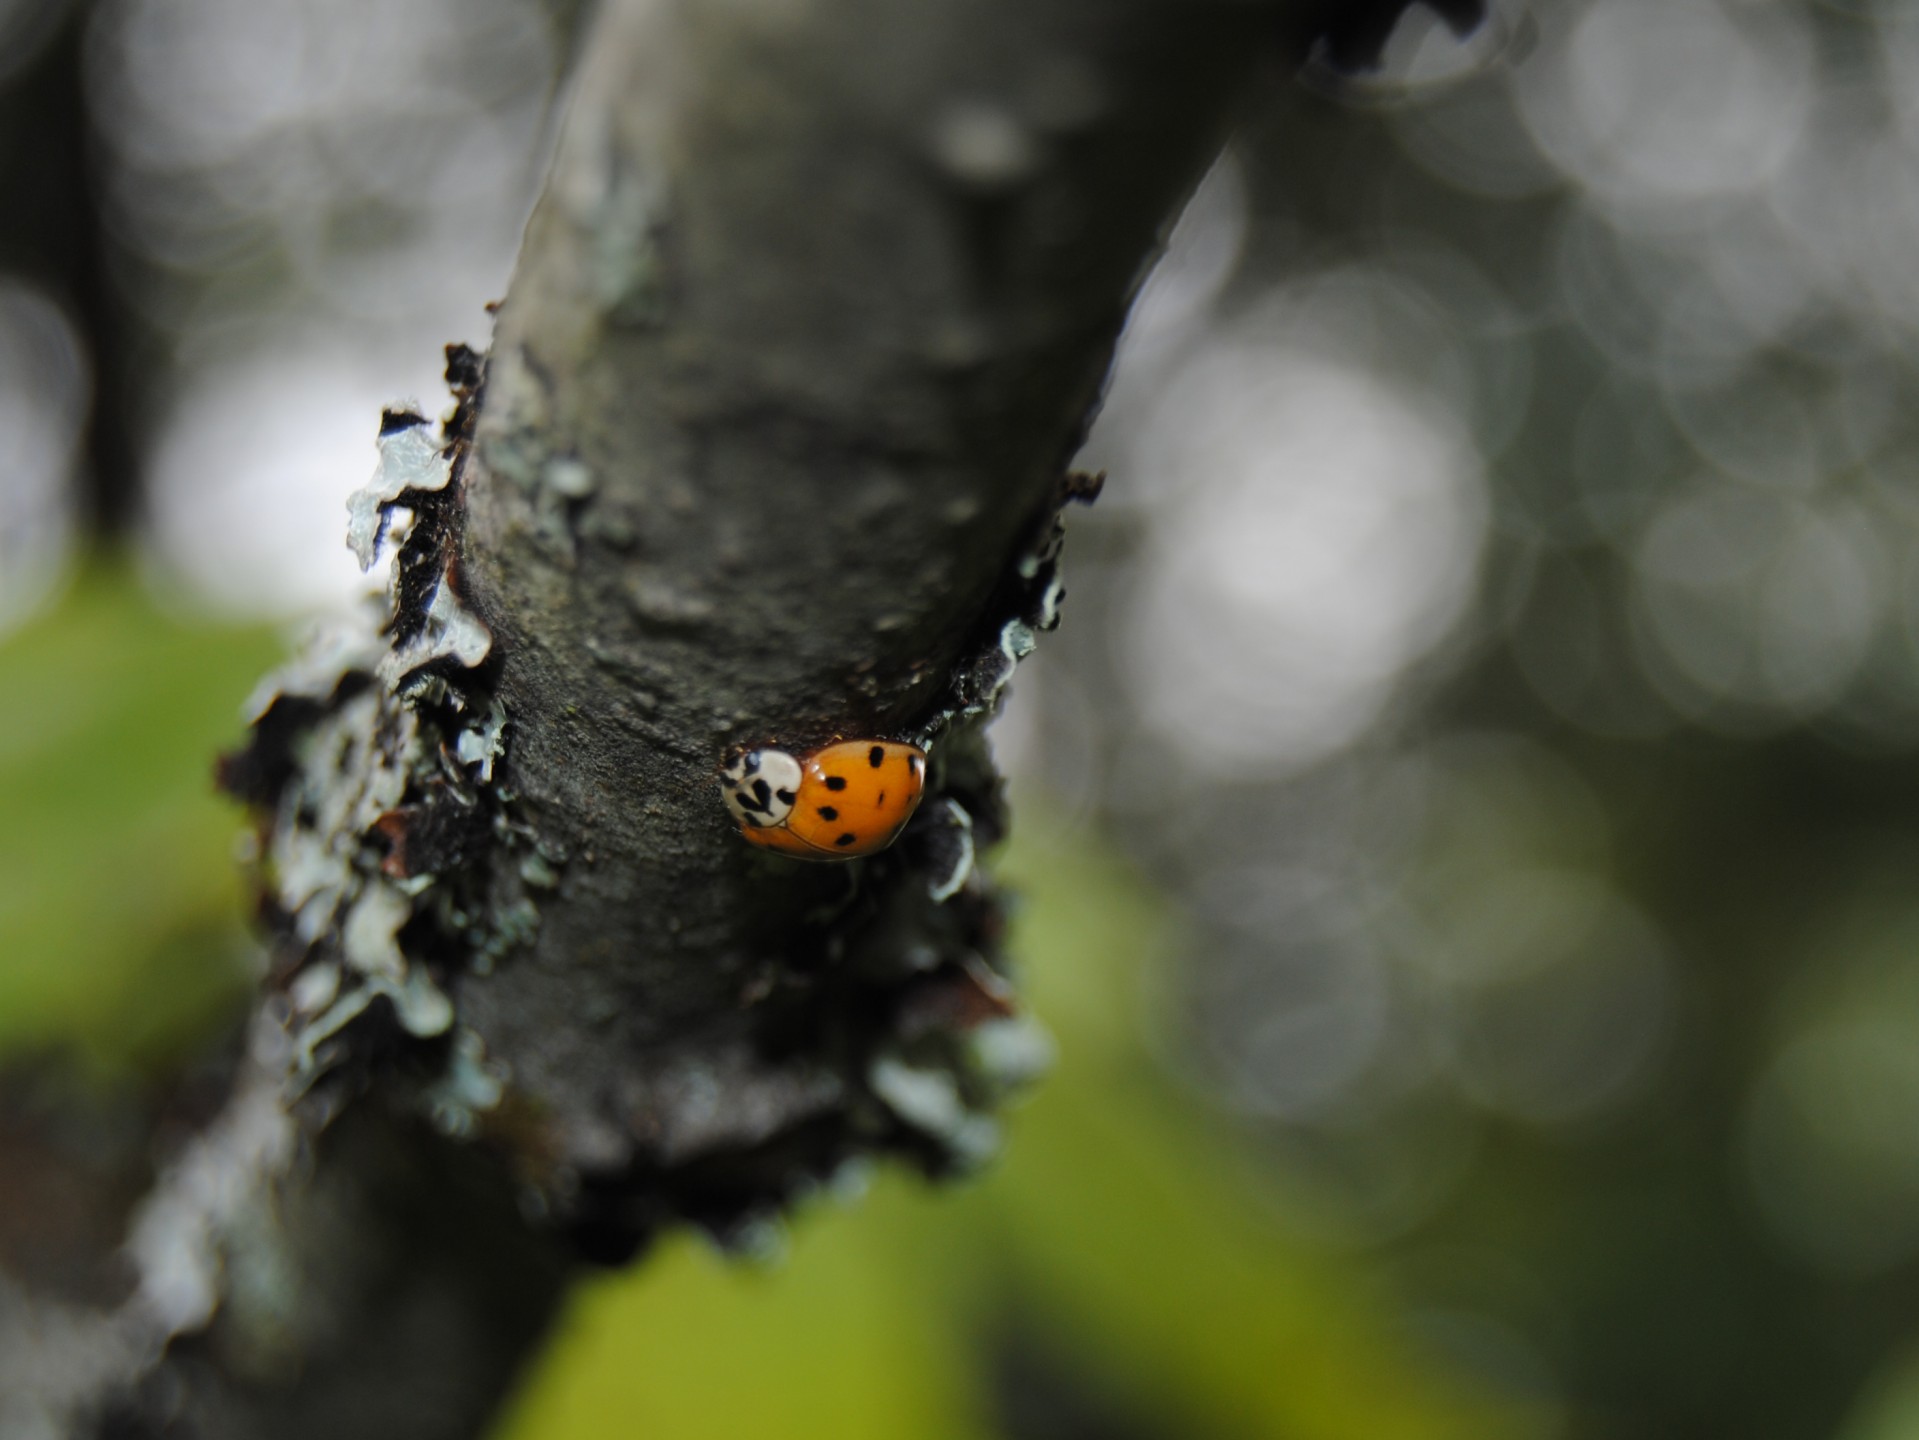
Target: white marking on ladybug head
759	788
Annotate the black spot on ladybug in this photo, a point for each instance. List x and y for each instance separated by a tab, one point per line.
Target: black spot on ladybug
847	839
827	812
835	782
876	757
764	791
882	799
786	797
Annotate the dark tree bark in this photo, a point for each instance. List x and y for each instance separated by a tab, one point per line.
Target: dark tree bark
770	448
757	472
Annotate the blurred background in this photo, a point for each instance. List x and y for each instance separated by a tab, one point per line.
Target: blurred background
1469	822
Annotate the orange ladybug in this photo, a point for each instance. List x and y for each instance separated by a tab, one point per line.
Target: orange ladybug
849	798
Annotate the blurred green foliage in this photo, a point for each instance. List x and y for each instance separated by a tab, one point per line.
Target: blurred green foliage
120	904
1116	1238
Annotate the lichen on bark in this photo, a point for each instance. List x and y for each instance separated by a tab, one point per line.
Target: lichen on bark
770	447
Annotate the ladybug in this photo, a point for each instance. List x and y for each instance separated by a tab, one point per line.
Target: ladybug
849	798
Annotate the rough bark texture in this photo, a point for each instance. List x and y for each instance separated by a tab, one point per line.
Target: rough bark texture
782	395
770	449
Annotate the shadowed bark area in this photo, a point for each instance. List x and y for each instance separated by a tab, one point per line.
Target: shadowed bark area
399	1295
769	450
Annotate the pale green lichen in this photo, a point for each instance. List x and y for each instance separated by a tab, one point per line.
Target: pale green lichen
410	459
333	649
1008	1056
176	1238
369	936
469	1085
451	632
354	768
985	146
514	926
538	872
620	202
959	826
483	741
761	1239
1049	603
930	1099
313	989
421	1008
513	445
569	477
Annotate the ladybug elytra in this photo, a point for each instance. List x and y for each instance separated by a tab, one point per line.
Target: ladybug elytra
846	799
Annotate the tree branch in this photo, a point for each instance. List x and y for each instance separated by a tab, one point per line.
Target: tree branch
770	448
811	319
